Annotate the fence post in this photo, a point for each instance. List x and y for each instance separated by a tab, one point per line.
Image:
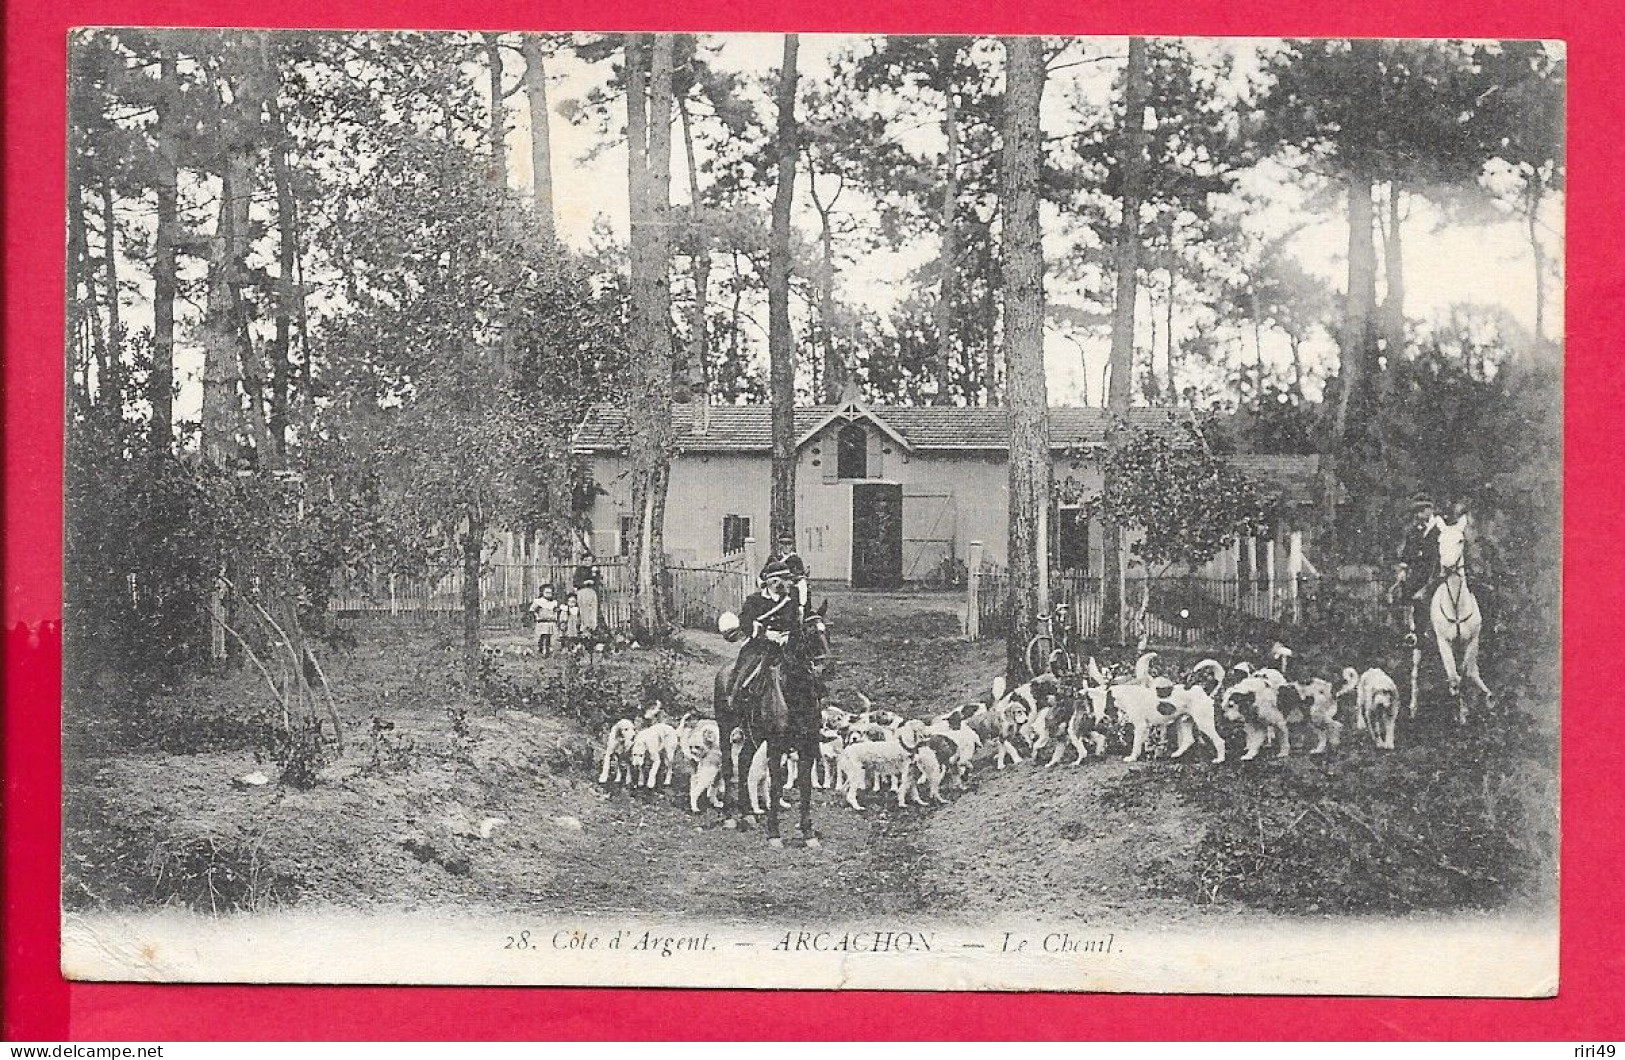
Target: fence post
752	564
1252	575
394	607
1294	570
973	577
1269	578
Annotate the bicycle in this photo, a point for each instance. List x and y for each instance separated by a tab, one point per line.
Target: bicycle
1048	652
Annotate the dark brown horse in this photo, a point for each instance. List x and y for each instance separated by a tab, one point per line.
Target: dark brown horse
803	662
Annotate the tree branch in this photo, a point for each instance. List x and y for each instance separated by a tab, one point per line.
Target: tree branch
281	697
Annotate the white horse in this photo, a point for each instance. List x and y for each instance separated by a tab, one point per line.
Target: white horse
1457	621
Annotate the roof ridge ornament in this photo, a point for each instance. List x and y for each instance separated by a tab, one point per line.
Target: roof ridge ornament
849	392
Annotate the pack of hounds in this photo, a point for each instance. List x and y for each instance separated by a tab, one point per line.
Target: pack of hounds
880	752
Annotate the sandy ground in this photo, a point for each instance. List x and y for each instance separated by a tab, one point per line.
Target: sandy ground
508	814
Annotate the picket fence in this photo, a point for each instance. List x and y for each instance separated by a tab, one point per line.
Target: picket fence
698	594
1190	609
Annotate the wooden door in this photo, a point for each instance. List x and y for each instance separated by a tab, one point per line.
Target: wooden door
877	535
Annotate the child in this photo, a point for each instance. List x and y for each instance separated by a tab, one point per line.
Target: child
546	609
570	623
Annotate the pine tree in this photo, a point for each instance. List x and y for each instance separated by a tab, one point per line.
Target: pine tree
1029	461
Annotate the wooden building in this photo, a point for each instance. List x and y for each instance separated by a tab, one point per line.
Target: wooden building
885	495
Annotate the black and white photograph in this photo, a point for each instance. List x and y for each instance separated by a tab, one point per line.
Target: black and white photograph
813	511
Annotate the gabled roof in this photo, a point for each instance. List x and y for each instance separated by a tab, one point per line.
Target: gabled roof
847	411
749	428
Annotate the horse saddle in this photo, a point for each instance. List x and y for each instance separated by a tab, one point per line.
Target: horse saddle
759	692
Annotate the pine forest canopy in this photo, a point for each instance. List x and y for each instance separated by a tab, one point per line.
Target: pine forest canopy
396	269
1240	220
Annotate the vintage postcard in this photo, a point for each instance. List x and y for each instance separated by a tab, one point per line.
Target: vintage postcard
814	511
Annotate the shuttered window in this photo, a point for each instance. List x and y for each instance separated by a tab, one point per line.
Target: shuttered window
852	452
735	528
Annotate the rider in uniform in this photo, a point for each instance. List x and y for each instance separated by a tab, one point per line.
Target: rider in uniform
767	618
1419	564
784	553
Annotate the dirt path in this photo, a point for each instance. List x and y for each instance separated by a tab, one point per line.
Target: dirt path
443	800
1024	840
503	809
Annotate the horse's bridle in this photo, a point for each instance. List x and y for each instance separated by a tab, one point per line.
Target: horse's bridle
825	655
1455	596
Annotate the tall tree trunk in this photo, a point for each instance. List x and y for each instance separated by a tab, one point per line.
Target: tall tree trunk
249	74
1150	389
736	321
1297	364
1029	460
307	371
78	372
834	371
1359	307
228	351
250	368
1168	331
648	126
541	136
947	60
991	384
1393	251
497	133
473	550
93	316
781	349
112	384
1131	163
287	252
1359	302
161	384
694	380
1534	193
220	335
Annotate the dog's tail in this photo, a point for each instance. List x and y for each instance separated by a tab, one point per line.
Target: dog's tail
1000	686
868	704
1142	668
1212	667
1096	674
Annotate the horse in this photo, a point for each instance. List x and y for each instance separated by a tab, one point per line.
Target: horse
1457	621
802	664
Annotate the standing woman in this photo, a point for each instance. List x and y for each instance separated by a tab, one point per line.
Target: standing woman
586	586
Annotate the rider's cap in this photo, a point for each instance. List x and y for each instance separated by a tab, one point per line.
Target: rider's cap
775	569
1420	501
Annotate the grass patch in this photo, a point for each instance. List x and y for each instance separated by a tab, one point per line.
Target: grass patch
1467	824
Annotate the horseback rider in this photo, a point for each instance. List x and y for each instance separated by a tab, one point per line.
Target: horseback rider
784	552
1419	564
767	618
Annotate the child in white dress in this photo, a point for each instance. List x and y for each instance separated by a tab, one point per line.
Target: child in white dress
546	609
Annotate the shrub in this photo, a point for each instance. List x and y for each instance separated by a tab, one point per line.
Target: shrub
1373	833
